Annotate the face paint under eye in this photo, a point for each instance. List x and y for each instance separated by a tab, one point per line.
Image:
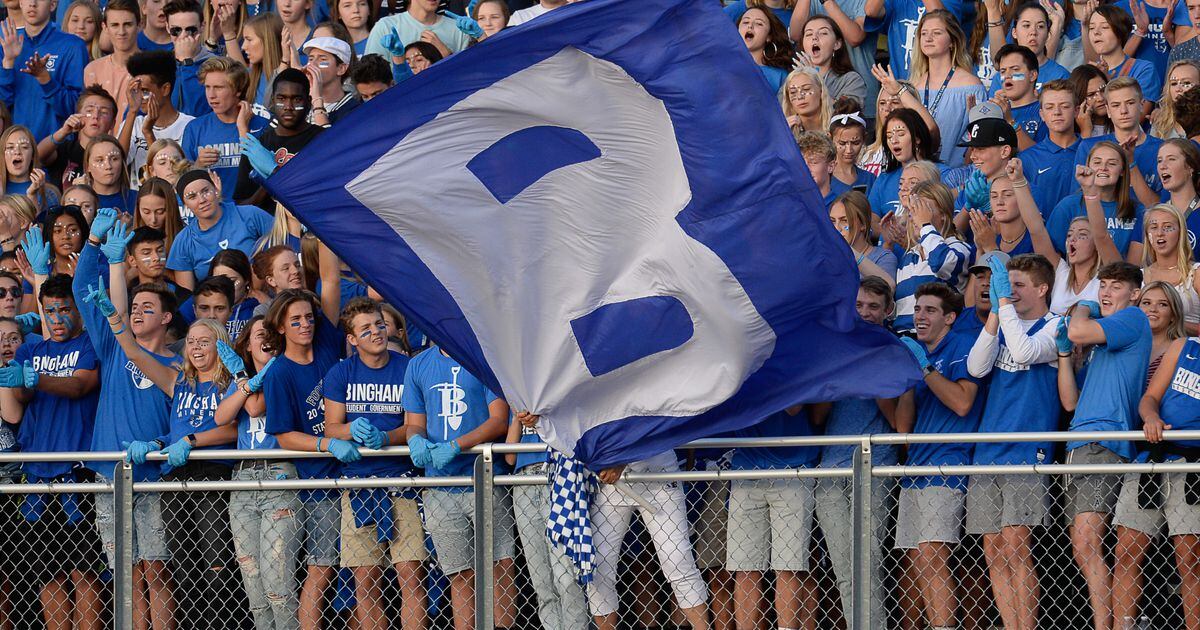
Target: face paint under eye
1017	76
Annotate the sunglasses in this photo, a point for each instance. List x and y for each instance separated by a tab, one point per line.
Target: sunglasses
176	30
15	292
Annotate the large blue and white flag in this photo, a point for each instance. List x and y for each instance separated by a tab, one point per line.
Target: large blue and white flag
603	215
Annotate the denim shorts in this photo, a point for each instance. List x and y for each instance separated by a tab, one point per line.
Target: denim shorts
322	528
149	528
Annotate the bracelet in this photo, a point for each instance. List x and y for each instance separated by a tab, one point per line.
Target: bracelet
1091	197
387	441
319	438
95	242
1064	356
1021	184
995	24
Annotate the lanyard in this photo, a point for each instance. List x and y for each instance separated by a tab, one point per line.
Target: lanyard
937	97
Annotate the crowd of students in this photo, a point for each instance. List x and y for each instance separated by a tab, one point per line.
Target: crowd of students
1016	184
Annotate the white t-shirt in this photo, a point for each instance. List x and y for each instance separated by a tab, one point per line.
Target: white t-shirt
524	15
138	147
1064	298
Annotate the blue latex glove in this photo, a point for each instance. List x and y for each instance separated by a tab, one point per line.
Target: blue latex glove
344	450
137	450
392	43
1061	340
114	246
12	375
401	72
419	448
978	192
467	25
29	376
229	358
28	322
1092	307
37	251
918	350
367	434
1001	286
103	222
471	6
256	381
443	453
177	453
993	298
98	297
262	162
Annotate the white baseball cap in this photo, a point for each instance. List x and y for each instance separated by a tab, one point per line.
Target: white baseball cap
332	45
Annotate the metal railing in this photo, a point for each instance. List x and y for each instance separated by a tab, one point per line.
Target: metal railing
863	480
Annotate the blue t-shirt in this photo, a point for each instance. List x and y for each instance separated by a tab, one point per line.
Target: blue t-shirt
856	416
1180	406
862	182
252	430
778	424
1145	155
126	202
374	394
1051	70
774	77
899	22
238	228
1020	397
294	399
1123	231
950	359
192	411
54	423
1147	75
208	131
454	401
145	44
968	323
1050	170
529	436
43	108
1029	118
1154	48
884	193
1116	378
737	8
132	407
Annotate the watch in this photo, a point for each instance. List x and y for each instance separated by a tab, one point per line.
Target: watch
241	376
191	438
929	369
188	62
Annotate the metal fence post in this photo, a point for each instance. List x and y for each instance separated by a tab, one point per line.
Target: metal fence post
863	539
484	539
123	565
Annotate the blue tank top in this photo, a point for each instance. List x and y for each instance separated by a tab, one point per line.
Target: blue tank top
1019	398
1180	406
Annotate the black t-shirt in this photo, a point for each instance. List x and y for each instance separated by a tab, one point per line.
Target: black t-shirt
284	147
68	163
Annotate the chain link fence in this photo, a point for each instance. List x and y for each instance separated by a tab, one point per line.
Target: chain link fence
241	544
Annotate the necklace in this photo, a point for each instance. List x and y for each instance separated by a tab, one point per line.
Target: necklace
937	97
1019	237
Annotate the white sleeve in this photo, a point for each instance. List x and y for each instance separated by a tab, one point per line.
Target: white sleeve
983	354
1026	349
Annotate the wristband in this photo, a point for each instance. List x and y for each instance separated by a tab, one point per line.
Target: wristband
386	440
995	24
1021	184
93	241
1091	197
159	444
1064	356
319	443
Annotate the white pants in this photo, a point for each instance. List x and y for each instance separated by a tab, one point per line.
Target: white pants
668	527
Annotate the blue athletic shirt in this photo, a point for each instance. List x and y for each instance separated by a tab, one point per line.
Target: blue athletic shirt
1180	406
884	193
295	402
1029	118
132	407
950	359
1020	397
208	131
40	107
1050	170
1116	378
1154	48
238	228
252	430
862	182
1051	70
529	436
899	22
126	202
192	411
374	394
454	401
856	416
1145	156
1123	232
56	423
778	424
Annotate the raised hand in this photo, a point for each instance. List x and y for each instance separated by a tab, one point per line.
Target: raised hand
1061	340
981	228
1015	169
98	297
392	43
1001	286
103	222
229	358
262	162
1086	178
887	79
114	246
12	41
37	250
37	67
1141	19
468	26
29	376
37	179
256	382
28	322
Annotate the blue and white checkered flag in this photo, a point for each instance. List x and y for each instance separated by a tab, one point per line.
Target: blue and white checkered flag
569	526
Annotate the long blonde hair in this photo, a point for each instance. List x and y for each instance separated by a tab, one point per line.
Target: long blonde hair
1176	330
268	27
1162	121
173	223
43	198
280	230
826	106
93	46
958	44
1095	270
189	374
1183	251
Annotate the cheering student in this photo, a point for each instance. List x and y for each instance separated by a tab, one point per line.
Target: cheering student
63	151
1168	258
50	390
993	142
41	72
907	140
1018	95
1116	377
1172	401
131	409
1123	100
265	523
218	225
64	230
1017	348
825	46
328	63
929	522
211	141
291	104
362	404
436	444
20	171
1179	172
1104	186
1181	76
767	40
150	90
934	252
1138	516
1048	164
104	167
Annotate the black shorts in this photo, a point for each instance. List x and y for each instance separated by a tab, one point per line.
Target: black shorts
10	523
52	547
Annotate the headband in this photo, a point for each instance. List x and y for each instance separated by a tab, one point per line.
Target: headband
846	119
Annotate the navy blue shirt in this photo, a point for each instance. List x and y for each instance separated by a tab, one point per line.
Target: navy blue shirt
374	394
53	423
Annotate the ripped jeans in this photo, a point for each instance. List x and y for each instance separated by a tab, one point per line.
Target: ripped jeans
266	537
